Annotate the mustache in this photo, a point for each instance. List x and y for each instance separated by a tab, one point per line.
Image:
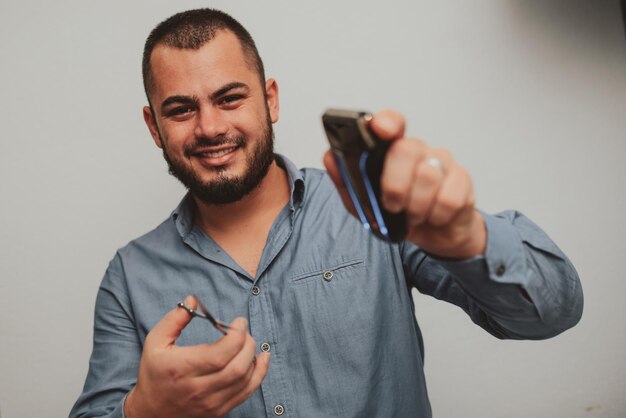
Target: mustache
205	142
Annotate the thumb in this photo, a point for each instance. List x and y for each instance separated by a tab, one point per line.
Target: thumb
170	326
388	124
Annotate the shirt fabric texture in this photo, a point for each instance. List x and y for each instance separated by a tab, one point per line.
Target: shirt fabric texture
333	302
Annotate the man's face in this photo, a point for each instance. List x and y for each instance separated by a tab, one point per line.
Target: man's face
212	118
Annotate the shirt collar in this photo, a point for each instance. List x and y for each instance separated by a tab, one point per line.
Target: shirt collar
183	214
296	181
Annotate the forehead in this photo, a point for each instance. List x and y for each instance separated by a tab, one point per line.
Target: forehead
199	71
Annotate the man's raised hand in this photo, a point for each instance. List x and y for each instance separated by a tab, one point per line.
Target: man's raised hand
198	381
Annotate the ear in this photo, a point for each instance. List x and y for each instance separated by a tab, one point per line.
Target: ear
148	117
271	95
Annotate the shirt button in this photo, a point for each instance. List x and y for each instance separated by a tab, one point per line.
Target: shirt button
265	347
328	275
501	270
256	290
279	410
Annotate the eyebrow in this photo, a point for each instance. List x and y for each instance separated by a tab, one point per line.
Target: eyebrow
180	99
230	86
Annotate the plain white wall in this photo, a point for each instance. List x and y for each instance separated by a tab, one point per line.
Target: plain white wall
528	94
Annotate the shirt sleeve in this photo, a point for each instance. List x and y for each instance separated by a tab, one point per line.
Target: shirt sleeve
116	351
524	287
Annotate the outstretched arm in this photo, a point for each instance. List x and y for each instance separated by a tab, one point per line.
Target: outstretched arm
503	270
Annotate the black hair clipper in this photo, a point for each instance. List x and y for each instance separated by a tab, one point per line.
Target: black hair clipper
360	154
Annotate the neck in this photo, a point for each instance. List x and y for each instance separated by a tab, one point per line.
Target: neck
255	210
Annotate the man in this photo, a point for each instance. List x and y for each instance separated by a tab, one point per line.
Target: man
258	240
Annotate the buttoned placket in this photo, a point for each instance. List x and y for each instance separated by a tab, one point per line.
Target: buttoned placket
274	388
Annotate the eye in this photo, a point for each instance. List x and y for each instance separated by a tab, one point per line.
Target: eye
231	100
180	110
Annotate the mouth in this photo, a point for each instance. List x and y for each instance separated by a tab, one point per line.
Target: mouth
216	156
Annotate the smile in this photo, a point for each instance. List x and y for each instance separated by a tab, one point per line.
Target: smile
217	157
218	153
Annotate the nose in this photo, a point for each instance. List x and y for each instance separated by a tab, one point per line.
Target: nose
210	123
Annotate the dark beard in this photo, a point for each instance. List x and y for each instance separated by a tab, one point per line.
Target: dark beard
226	189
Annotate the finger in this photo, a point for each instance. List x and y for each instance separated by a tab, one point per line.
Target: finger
427	182
210	358
260	371
388	124
221	391
168	329
455	195
238	370
333	172
398	169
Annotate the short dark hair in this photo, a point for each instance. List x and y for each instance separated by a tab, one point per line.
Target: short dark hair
191	30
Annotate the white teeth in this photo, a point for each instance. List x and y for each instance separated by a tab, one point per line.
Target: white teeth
219	153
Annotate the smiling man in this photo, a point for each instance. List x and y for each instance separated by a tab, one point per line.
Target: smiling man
258	240
215	133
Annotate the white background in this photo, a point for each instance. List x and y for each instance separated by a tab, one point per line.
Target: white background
528	94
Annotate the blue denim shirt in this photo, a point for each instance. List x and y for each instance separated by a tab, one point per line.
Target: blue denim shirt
334	305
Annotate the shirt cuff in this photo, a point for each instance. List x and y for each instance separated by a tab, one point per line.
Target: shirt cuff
503	261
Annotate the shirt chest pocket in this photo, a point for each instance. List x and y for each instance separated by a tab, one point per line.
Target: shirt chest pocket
331	272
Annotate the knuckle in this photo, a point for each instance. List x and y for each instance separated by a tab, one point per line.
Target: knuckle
463	174
446	210
393	192
429	174
392	188
175	374
239	370
241	336
219	361
196	396
449	203
212	404
417	209
407	148
438	218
